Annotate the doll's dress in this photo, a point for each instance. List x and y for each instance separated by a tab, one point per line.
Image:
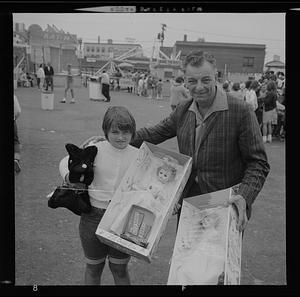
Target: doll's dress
204	263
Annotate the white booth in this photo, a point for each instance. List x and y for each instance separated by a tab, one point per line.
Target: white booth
47	100
95	89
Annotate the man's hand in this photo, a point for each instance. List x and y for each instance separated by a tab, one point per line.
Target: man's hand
240	203
176	209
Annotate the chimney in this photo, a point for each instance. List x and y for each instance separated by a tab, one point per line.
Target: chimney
184	37
98	39
276	58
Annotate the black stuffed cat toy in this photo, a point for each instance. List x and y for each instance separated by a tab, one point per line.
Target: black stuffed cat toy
80	167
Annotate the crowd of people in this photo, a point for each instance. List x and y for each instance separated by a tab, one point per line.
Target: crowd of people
43	76
142	84
266	96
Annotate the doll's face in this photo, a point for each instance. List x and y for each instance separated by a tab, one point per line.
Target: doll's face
164	175
208	222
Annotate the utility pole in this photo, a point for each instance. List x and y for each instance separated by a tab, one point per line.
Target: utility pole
161	35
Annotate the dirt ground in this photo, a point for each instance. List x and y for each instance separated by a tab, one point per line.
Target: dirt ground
48	250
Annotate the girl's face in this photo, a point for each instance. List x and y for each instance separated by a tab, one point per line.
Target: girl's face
119	139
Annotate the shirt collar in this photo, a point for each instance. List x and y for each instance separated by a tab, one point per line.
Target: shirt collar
220	103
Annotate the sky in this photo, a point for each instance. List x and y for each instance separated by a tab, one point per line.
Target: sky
250	28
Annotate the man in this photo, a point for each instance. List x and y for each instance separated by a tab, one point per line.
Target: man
49	72
105	85
220	133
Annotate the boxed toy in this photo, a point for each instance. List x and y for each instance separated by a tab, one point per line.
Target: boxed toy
207	248
141	206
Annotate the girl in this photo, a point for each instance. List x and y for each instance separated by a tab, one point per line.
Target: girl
269	110
111	162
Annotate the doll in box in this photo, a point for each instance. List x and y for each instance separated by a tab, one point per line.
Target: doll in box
152	193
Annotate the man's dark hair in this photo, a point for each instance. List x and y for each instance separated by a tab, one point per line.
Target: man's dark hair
197	58
236	86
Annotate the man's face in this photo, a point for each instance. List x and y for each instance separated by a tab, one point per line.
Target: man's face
201	82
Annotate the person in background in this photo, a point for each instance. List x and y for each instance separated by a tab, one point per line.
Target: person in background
105	85
49	73
243	90
159	89
279	130
247	90
69	84
220	133
119	128
17	145
150	87
251	99
40	74
226	86
261	94
178	92
29	79
236	91
269	110
23	80
141	85
154	86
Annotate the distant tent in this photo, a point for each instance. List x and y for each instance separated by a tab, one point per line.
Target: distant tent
125	65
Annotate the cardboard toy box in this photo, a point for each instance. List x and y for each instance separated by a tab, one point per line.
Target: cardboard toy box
207	248
141	206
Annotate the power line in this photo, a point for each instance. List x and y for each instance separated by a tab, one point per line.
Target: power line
224	35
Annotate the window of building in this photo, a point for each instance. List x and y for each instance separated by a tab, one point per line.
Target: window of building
103	49
168	74
98	49
87	49
93	49
248	62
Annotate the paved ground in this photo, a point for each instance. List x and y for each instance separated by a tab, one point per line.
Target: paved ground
48	250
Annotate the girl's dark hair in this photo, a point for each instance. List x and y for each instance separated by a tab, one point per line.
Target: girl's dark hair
236	86
120	117
248	84
254	84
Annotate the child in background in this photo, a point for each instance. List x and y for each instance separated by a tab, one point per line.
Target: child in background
159	89
69	85
119	128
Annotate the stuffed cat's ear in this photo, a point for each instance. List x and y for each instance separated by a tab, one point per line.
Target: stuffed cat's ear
91	151
73	150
